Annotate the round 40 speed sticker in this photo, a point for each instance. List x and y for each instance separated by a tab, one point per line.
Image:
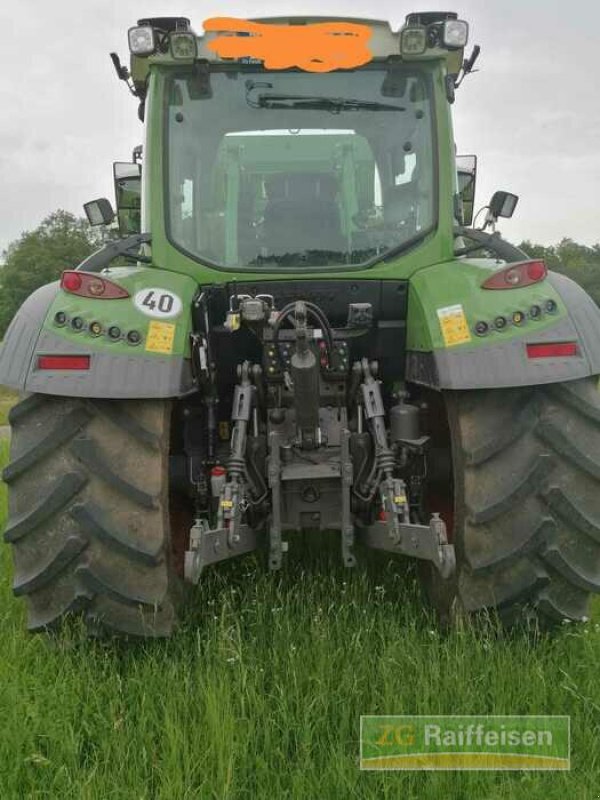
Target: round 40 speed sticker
158	303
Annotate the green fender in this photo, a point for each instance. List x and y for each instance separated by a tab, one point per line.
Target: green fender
445	346
138	346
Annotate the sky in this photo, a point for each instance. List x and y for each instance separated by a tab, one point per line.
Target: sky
531	114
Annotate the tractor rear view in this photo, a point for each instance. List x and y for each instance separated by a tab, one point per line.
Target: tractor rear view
306	336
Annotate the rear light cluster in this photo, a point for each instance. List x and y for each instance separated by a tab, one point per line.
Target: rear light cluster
516	318
64	362
87	284
516	276
95	328
552	350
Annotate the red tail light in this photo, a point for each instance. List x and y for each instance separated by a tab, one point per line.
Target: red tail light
86	284
516	275
63	362
552	350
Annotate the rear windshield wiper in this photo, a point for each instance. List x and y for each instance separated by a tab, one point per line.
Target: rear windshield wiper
333	104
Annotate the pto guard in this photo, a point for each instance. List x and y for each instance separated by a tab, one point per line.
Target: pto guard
157	312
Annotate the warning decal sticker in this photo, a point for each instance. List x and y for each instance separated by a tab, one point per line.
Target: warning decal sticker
161	336
453	323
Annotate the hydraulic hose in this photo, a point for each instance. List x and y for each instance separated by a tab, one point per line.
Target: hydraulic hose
317	313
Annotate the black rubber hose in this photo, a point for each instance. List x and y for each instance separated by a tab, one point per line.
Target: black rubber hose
317	313
325	324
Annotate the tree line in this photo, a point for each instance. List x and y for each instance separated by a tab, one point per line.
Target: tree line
62	241
579	261
37	257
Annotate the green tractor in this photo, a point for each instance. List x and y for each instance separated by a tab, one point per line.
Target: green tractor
299	330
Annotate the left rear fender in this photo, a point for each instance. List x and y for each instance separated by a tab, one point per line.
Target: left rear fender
150	356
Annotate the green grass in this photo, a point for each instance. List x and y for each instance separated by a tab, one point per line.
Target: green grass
7	400
259	694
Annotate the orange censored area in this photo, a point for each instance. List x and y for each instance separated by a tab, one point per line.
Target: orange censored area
321	47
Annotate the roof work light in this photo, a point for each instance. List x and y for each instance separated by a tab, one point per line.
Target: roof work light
142	41
183	45
413	41
456	33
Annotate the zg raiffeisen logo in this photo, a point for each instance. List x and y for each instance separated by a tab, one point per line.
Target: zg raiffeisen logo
465	743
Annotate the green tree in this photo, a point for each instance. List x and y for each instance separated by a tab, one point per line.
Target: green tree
541	251
61	242
578	261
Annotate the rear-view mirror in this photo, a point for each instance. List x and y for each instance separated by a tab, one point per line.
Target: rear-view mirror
99	212
503	204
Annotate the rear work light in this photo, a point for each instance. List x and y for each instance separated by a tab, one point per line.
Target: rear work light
516	275
142	40
456	33
183	45
86	284
413	40
64	362
552	350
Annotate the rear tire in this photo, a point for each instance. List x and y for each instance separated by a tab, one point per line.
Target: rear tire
88	513
526	466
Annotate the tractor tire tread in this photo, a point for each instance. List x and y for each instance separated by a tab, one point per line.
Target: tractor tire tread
88	514
91	455
60	494
527	505
64	430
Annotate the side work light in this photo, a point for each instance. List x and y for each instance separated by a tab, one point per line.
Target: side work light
183	45
413	41
142	41
456	33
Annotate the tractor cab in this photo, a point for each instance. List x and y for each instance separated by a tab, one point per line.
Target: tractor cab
267	168
274	185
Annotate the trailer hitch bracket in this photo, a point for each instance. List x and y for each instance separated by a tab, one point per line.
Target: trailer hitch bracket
425	542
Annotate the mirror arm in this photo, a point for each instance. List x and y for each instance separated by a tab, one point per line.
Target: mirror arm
123	73
490	220
103	257
468	64
493	242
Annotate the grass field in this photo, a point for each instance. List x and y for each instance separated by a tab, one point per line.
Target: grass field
259	694
7	401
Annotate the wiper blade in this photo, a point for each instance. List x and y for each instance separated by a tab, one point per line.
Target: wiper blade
333	104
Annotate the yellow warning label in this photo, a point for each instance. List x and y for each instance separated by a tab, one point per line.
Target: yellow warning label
453	323
161	336
400	499
233	321
226	503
